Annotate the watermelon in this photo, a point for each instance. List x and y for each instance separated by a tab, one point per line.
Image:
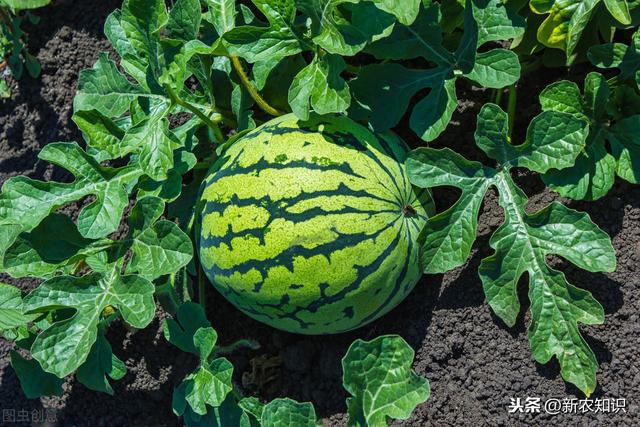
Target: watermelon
311	226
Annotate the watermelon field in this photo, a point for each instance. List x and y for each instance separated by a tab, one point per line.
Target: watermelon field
319	212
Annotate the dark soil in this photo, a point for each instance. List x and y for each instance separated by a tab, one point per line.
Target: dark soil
474	362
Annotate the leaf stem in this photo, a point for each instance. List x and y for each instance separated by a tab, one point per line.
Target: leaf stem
498	98
212	122
511	107
201	288
251	89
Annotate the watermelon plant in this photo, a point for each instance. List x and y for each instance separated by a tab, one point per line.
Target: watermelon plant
14	56
251	145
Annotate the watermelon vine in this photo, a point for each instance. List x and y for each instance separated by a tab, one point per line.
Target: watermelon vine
252	145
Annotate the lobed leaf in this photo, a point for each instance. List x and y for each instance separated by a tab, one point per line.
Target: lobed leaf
379	377
27	202
385	90
523	242
65	345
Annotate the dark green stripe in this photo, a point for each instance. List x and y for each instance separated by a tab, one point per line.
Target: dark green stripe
278	208
287	257
396	287
343	138
362	273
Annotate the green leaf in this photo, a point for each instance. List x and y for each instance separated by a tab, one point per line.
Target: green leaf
65	345
26	4
387	89
11	311
378	375
223	15
384	91
288	412
431	116
617	55
207	385
252	406
320	85
276	41
34	381
55	245
141	21
144	214
101	132
563	96
609	55
566	22
190	319
554	139
130	61
590	178
228	414
422	39
496	21
184	20
625	146
27	202
330	29
5	91
104	89
448	236
101	363
159	250
177	69
155	143
405	11
593	174
556	306
496	68
523	242
620	10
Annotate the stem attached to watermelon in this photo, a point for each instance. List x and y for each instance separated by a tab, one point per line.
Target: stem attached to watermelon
409	210
264	105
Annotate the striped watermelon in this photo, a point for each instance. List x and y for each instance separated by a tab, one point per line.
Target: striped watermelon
310	226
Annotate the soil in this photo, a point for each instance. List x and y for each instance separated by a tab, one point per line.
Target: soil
474	362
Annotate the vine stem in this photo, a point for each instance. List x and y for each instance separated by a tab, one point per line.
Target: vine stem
511	107
264	105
